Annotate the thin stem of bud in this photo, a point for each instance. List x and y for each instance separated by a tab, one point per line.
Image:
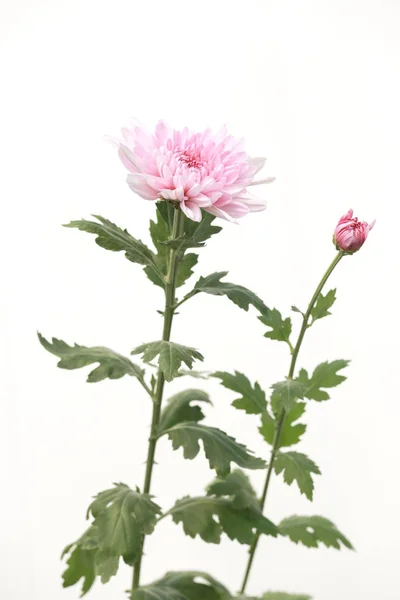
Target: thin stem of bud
281	418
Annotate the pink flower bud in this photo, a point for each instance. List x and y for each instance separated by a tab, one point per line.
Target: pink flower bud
350	233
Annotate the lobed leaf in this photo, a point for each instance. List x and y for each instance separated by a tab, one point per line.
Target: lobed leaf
297	467
183	585
111	364
252	399
179	408
325	375
238	294
286	393
280	329
219	448
323	304
112	237
171	356
312	531
122	516
291	430
230	507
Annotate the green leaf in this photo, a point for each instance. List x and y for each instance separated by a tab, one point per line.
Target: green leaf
180	409
283	596
112	365
171	356
111	237
240	295
220	449
252	399
280	329
81	565
87	561
297	467
161	233
325	376
322	306
291	431
313	530
122	516
238	486
231	506
183	585
287	392
106	565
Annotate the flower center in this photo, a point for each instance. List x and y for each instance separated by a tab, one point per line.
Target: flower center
193	161
355	224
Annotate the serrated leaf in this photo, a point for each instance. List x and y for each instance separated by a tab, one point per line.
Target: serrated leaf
238	294
122	516
291	431
297	467
313	530
106	565
238	486
287	392
161	233
325	375
280	329
112	237
219	448
179	408
81	565
112	364
183	585
323	304
252	399
171	356
284	596
231	506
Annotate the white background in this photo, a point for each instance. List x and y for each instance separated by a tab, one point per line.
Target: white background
312	85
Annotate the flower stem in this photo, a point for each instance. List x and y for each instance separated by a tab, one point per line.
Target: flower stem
170	288
281	418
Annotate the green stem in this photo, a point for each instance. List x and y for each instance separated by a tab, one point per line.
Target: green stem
281	418
170	288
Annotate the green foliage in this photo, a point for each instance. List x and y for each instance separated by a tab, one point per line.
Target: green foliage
322	306
325	375
240	295
219	448
231	506
81	562
122	516
297	467
183	585
87	560
194	236
283	596
252	399
280	329
291	430
180	409
112	237
286	393
312	531
171	356
112	365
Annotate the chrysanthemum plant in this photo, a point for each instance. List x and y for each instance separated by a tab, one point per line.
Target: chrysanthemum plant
196	179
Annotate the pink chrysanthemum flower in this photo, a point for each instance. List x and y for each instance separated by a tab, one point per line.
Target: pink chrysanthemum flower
350	233
198	170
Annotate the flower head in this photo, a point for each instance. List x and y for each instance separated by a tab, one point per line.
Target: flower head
196	170
350	233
